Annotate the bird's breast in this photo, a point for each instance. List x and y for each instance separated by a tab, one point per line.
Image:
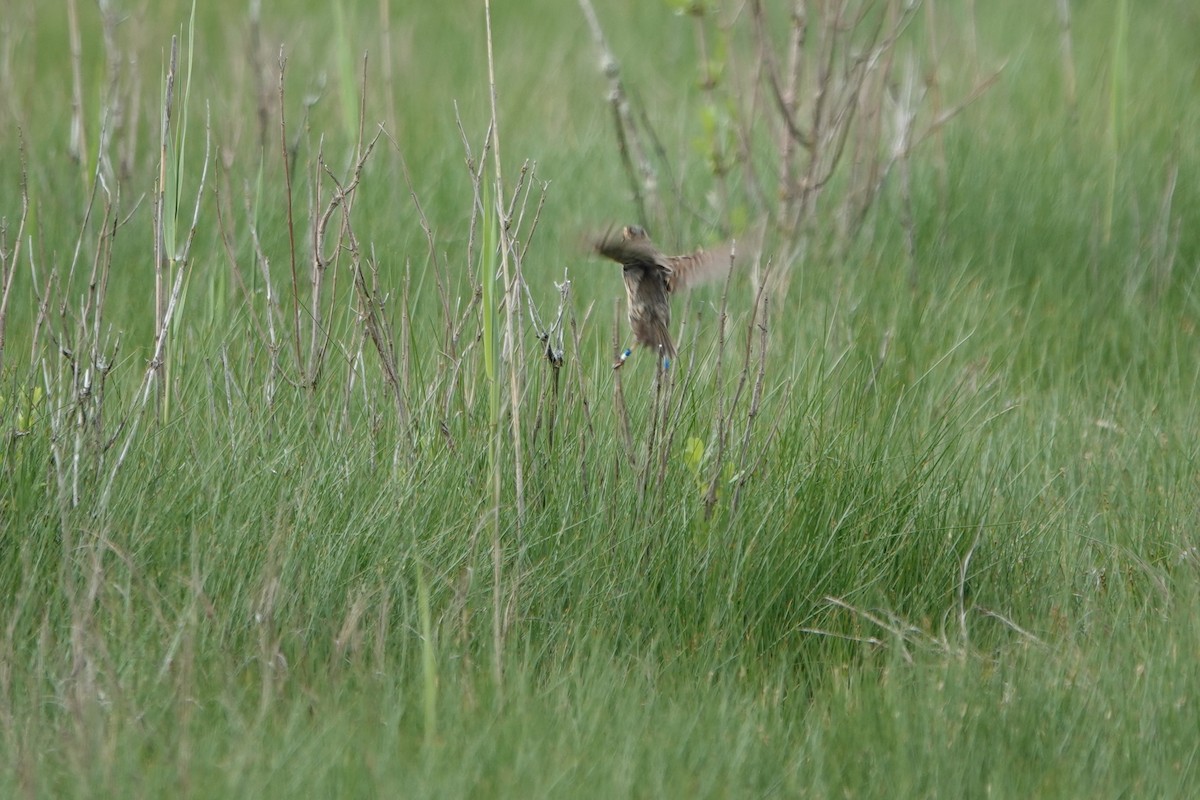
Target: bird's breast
647	295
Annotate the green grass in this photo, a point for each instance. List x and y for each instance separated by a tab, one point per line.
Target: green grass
952	553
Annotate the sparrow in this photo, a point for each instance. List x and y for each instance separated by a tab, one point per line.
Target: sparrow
650	280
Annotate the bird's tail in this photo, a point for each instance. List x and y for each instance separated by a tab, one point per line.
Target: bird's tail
658	341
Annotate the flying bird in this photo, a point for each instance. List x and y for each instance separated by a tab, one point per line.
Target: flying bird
650	280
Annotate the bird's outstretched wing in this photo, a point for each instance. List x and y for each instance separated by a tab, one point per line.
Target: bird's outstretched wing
699	267
631	247
708	264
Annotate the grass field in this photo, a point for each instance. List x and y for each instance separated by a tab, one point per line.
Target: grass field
316	479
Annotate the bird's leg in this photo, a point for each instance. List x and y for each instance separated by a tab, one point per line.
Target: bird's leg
621	361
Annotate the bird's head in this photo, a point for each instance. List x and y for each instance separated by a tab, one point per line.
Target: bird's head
628	246
634	233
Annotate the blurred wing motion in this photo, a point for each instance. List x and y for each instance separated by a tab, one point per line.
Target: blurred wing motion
700	267
711	264
631	247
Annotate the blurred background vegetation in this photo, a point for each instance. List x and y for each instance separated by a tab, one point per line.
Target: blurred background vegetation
286	506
